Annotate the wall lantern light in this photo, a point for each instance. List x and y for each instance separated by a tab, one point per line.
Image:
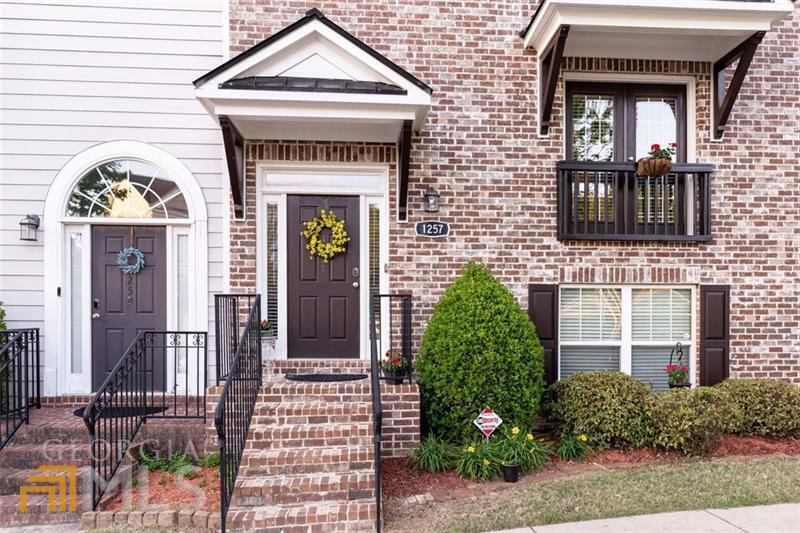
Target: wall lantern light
431	200
28	227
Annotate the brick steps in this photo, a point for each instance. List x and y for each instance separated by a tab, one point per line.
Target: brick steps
25	455
308	436
322	517
309	459
12	479
303	488
306	460
37	511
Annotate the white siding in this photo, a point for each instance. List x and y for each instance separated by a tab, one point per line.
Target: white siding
74	74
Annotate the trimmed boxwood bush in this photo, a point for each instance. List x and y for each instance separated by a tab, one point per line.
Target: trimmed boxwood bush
610	408
765	407
690	421
479	350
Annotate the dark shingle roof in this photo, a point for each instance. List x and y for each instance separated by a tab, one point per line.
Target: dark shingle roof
317	85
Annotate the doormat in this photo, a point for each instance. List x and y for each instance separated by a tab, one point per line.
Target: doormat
122	412
324	378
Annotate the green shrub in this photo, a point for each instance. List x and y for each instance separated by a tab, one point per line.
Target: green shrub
210	461
610	408
690	421
479	461
2	317
517	446
479	350
573	448
433	455
765	407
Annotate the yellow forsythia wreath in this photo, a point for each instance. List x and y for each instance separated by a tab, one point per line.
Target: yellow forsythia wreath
313	234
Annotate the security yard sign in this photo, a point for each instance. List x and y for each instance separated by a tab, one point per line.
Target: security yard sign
487	422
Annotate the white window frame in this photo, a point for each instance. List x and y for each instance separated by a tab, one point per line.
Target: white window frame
626	342
305	178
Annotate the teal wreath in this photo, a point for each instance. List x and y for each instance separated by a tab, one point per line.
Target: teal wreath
124	260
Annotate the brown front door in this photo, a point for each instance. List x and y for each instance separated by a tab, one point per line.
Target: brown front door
125	304
323	298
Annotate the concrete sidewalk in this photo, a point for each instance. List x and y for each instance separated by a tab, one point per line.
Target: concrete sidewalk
783	518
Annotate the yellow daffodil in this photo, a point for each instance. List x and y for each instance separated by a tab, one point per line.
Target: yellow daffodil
530	437
514	430
471	449
583	438
486	462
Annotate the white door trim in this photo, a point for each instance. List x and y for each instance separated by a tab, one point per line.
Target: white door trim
277	180
57	377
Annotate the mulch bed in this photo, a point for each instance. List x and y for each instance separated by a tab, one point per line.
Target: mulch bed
402	481
167	491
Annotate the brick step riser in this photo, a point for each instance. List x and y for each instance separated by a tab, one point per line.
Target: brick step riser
45	435
11	482
351	518
273	399
313	409
264	443
332	527
260	470
35	517
313	496
37	511
11	458
277	421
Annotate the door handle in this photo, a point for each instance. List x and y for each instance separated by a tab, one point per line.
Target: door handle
355	285
95	316
631	159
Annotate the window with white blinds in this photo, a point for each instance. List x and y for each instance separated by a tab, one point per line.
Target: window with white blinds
631	329
591	314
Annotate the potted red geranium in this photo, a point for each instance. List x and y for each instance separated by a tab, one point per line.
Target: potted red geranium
394	366
658	161
678	376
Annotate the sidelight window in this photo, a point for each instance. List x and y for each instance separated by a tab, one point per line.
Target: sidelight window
271	267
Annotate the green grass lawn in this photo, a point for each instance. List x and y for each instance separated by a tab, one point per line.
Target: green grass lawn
612	493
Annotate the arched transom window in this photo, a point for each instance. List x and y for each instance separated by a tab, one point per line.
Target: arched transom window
127	188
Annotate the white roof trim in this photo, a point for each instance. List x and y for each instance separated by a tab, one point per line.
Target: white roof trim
309	40
678	18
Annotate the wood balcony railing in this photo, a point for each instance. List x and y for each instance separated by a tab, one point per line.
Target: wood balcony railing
609	202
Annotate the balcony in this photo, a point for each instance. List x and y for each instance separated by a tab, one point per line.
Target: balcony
609	202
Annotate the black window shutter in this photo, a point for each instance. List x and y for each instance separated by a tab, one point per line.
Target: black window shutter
543	312
714	333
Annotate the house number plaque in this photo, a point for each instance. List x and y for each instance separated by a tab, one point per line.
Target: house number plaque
433	228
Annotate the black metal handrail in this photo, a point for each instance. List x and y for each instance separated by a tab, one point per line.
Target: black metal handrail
20	384
237	401
154	378
229	311
609	202
391	320
377	404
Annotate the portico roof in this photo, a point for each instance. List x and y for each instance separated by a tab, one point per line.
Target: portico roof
724	32
313	80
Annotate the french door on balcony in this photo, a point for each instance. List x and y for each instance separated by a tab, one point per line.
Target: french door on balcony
609	127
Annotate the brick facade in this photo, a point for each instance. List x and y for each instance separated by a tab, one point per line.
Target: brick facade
480	148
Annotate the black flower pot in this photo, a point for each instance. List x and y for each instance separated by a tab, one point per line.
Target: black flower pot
680	385
510	473
395	376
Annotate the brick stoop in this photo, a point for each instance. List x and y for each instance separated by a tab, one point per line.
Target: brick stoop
309	462
55	436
